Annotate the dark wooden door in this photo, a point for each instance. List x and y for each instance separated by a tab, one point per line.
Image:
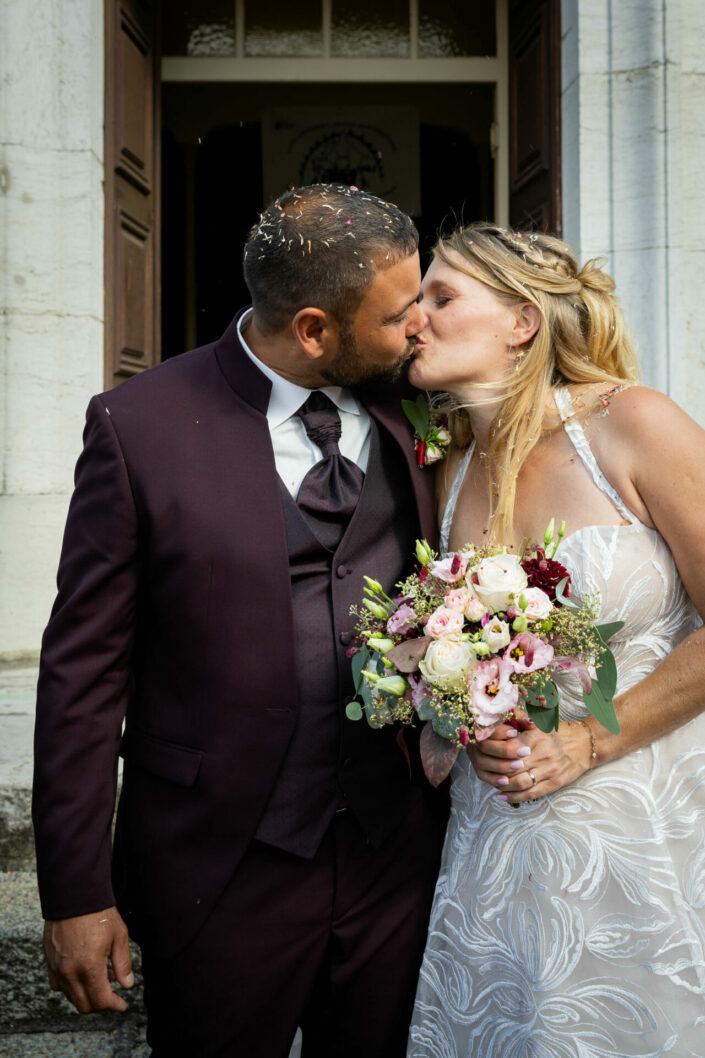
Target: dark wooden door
132	188
534	115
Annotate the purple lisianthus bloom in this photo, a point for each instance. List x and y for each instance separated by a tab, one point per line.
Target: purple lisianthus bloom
402	620
418	690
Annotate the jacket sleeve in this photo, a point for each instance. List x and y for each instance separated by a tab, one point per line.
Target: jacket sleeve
84	679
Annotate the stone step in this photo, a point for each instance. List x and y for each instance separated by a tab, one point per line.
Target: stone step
125	1042
28	1004
17	693
34	1021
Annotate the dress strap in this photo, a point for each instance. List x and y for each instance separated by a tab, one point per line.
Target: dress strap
575	432
449	510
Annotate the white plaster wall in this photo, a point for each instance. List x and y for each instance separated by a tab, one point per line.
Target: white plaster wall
51	287
633	100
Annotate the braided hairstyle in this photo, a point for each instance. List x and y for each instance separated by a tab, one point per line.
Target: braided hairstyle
581	339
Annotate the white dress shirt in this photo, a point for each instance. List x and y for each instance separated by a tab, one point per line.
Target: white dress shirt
294	453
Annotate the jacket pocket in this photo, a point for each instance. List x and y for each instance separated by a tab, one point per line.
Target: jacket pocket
178	764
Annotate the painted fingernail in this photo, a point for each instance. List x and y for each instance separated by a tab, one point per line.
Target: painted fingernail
503	781
512	733
524	751
501	797
516	764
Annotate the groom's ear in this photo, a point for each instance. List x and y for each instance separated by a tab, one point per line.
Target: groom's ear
316	331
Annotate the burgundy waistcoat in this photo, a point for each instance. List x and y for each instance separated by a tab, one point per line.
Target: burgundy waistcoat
331	757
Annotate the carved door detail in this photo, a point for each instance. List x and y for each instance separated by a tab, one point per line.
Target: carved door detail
132	324
534	114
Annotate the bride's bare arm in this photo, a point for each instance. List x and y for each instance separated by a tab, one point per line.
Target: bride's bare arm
654	454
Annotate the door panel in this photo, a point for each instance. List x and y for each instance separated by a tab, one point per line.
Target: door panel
132	324
534	115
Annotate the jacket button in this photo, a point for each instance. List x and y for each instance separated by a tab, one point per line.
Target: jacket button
348	763
342	571
346	638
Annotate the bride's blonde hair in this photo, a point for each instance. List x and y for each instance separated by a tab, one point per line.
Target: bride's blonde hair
581	338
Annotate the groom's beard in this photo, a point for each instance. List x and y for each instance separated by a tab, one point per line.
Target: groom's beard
349	367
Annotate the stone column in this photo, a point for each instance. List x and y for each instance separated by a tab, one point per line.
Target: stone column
51	289
633	96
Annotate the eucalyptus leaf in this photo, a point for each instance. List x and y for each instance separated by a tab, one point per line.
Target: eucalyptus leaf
602	708
353	710
445	726
562	598
358	663
425	710
545	719
437	755
606	673
608	630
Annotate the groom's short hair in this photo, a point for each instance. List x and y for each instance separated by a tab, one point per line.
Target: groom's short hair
322	245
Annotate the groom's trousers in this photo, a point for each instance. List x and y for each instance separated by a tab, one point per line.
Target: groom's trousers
332	944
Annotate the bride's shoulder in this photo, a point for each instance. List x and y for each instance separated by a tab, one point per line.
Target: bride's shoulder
626	406
637	422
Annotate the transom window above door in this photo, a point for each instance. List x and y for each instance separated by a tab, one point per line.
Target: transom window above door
401	29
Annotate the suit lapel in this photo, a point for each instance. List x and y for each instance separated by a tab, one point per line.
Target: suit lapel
384	404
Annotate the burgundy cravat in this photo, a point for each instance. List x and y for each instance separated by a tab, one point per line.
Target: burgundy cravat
329	493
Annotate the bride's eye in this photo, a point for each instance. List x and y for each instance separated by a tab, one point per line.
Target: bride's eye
440	302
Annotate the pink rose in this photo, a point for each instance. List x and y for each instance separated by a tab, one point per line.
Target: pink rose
402	620
453	568
444	622
528	652
538	604
474	609
456	599
491	691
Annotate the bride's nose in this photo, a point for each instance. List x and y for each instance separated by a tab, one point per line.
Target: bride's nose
417	320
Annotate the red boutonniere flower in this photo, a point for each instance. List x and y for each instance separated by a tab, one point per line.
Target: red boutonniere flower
430	430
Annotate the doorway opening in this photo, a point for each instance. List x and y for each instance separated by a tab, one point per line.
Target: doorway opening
228	148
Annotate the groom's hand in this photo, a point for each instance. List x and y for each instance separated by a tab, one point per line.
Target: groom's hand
77	952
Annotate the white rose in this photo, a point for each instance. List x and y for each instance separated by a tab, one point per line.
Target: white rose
447	660
496	634
538	604
498	580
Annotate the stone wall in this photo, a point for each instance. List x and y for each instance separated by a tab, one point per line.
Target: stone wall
51	287
633	99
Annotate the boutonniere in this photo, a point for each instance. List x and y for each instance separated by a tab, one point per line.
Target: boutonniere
430	430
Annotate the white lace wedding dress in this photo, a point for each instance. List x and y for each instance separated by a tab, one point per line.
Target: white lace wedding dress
574	926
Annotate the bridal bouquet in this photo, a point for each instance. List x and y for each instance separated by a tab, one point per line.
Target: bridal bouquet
474	638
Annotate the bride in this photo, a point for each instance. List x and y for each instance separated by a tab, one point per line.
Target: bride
572	926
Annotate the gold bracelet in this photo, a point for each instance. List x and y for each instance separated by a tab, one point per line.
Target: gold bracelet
593	751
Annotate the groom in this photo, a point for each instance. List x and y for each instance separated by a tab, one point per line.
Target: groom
275	860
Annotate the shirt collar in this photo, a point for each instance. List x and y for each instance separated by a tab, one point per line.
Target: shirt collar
286	397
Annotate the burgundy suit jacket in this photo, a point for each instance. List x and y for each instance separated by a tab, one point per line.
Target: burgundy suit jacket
174	612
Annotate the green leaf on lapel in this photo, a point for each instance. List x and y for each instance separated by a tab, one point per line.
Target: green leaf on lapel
417	413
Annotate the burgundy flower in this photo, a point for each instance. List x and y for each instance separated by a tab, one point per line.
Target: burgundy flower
546	573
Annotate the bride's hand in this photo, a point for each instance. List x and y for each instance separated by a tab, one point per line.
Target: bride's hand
524	765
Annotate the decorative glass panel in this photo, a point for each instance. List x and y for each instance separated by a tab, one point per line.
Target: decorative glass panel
447	30
285	29
199	27
369	28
